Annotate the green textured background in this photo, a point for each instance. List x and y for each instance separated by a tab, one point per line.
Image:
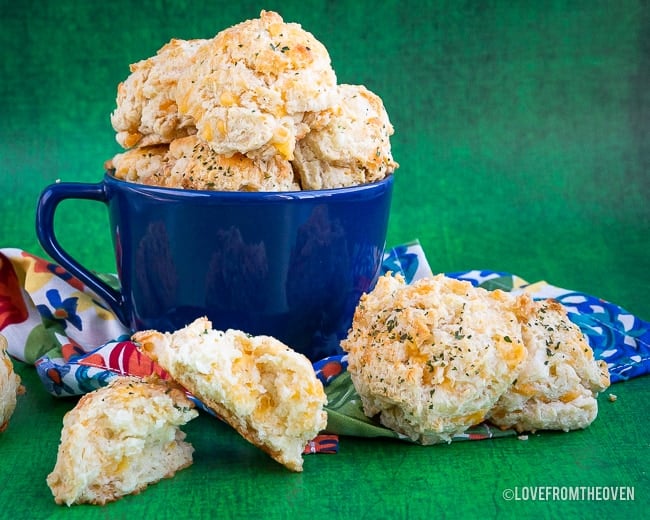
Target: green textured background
523	134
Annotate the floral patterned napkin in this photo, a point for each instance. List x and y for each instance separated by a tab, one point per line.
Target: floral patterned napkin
51	320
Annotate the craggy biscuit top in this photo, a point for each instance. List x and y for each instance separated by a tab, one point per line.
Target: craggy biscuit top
146	111
558	384
249	87
353	147
432	358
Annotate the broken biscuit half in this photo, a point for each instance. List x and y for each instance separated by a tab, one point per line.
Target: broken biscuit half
265	390
119	439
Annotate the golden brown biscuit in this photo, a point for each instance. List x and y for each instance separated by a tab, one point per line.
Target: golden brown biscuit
353	147
119	439
10	386
432	358
266	391
146	111
560	379
192	164
249	88
189	163
143	164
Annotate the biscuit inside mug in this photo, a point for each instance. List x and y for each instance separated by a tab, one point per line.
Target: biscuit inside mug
256	108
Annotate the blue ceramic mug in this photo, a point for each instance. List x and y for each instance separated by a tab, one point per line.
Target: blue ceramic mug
287	264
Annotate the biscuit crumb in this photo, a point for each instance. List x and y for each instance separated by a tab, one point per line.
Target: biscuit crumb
612	398
522	437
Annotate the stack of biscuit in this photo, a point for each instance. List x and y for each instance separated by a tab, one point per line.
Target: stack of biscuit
256	108
433	358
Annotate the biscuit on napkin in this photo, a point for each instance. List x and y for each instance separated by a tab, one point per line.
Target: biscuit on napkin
268	392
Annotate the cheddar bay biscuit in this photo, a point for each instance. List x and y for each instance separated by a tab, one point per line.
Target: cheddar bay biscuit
10	386
143	164
560	379
189	163
352	146
266	391
192	164
146	111
432	358
119	439
248	89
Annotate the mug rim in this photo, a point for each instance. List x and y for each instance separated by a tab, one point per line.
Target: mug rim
250	195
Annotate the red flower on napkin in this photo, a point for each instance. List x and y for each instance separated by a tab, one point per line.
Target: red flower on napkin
123	358
12	305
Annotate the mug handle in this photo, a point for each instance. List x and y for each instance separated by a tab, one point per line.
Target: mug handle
48	202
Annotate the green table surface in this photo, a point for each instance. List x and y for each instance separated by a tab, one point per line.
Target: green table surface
522	130
367	478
